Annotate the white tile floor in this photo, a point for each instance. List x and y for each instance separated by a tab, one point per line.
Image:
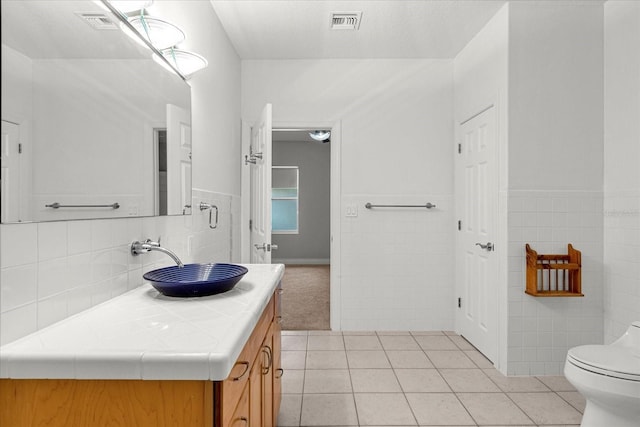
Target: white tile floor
410	379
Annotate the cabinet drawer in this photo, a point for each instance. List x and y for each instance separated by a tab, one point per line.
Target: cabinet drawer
230	390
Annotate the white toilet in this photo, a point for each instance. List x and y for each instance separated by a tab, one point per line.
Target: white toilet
608	376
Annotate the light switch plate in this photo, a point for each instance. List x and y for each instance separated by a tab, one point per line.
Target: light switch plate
352	210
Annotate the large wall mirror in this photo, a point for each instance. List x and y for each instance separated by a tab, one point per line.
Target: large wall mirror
92	126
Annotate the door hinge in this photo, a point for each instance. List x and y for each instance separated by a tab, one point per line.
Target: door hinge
20	148
459	302
250	224
459	148
459	225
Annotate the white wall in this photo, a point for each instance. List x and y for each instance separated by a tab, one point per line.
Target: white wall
49	271
555	174
396	115
311	244
215	95
555	95
621	171
215	102
541	63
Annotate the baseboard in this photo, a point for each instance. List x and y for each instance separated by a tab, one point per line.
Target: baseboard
301	261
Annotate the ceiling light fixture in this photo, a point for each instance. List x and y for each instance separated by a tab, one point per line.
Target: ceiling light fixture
184	61
320	135
161	34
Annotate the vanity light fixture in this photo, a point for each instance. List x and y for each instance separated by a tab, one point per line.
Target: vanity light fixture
320	135
158	35
184	61
161	34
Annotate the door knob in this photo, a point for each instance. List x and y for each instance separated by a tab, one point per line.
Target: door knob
488	247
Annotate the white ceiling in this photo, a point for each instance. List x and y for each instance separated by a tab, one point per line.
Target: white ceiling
53	29
299	29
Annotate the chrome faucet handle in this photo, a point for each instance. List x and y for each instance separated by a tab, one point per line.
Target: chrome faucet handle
152	243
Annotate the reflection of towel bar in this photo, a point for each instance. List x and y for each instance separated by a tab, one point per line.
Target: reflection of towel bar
57	205
428	206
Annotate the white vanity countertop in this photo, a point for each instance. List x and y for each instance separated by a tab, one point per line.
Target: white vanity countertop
145	335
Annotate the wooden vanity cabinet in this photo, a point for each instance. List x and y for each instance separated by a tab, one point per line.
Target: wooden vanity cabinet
249	397
256	377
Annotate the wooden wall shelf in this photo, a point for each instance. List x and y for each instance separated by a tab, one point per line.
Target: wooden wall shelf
554	275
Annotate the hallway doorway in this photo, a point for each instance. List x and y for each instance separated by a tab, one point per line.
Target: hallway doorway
332	214
301	226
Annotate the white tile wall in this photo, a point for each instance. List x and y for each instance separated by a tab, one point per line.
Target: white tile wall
622	262
52	270
541	330
399	269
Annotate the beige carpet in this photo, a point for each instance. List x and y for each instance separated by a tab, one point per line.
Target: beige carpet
305	298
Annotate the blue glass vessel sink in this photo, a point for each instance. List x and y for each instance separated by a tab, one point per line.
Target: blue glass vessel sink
195	280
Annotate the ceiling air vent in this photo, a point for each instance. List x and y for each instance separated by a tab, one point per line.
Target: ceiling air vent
345	20
98	21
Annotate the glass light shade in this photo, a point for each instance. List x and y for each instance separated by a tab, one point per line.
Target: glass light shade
320	135
161	34
127	6
184	61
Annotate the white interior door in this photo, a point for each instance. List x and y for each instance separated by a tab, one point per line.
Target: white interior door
11	191
178	159
476	261
260	178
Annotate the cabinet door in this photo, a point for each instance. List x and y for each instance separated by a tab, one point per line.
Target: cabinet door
255	393
240	417
267	381
274	338
277	368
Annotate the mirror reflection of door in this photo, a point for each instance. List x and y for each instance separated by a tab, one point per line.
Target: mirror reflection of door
13	169
178	140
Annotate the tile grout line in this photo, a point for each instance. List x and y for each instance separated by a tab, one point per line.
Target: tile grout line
523	411
404	394
353	394
451	388
304	376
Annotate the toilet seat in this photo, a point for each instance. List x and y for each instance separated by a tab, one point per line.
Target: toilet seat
612	361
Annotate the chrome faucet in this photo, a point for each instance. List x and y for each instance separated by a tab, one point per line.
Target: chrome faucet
138	248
